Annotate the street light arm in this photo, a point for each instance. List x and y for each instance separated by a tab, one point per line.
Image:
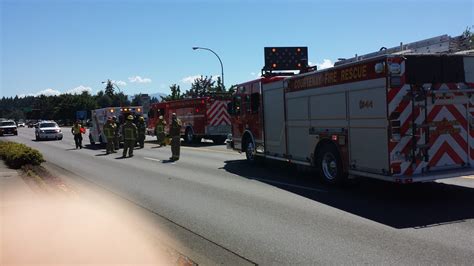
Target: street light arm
220	61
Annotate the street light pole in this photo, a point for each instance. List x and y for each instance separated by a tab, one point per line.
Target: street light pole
220	61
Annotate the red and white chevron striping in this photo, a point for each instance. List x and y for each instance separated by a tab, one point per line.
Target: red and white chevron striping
217	114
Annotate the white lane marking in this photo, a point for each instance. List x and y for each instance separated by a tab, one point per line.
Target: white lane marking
152	159
289	185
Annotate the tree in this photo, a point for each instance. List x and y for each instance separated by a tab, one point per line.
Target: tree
154	100
137	100
200	87
175	94
109	89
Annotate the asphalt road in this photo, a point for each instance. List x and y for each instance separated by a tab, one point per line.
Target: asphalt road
276	214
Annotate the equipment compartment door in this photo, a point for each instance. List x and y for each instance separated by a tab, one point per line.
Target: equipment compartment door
448	129
274	119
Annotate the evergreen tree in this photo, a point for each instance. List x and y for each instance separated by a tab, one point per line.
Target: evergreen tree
109	89
175	94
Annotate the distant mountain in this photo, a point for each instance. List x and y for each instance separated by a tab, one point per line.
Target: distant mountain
158	95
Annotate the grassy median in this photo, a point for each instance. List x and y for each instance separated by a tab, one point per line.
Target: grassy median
17	155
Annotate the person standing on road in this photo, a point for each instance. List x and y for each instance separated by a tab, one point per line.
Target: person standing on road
109	132
160	131
76	131
175	133
141	126
116	133
129	133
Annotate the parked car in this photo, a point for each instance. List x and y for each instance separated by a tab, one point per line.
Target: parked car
48	130
8	127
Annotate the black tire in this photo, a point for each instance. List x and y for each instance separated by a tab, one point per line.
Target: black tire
189	136
250	152
329	165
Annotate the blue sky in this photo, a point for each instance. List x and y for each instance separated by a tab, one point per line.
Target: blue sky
145	46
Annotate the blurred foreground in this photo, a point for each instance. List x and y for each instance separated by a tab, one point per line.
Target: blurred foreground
43	225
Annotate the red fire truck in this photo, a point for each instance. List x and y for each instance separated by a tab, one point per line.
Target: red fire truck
400	116
203	117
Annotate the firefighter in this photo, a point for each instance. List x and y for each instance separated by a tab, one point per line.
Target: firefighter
116	133
160	131
109	132
175	133
76	131
141	126
129	133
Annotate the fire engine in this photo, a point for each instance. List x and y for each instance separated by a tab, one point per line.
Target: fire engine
202	117
99	118
403	114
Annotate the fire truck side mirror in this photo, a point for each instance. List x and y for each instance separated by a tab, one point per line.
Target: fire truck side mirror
230	108
255	102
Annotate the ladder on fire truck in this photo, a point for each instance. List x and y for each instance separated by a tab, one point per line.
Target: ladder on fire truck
443	44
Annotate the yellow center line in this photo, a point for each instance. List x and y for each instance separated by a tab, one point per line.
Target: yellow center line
468	177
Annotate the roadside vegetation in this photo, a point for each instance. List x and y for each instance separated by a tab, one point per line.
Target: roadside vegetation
17	155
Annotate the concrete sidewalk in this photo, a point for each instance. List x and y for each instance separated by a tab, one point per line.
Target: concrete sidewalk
50	226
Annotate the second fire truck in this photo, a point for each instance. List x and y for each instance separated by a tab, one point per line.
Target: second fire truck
202	117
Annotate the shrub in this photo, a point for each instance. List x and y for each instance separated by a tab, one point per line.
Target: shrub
16	155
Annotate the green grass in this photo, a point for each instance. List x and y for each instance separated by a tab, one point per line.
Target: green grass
17	155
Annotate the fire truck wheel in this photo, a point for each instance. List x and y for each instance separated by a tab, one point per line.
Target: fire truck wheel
250	153
329	165
189	136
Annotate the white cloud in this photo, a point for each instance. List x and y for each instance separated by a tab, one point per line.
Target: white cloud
79	90
52	92
190	79
325	64
120	82
138	79
48	92
255	74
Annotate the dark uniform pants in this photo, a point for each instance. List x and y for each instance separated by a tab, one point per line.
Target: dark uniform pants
175	146
160	137
116	142
141	141
110	146
78	140
128	145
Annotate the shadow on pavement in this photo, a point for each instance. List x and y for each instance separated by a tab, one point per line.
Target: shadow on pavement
399	206
93	147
